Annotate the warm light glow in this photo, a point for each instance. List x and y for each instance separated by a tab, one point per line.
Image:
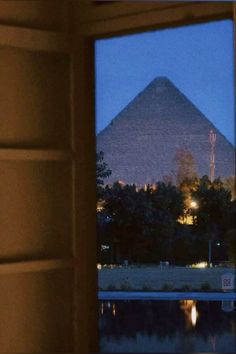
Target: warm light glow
186	219
194	315
190	312
99	266
200	265
113	309
194	204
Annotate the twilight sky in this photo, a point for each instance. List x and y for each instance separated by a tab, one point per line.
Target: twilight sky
197	59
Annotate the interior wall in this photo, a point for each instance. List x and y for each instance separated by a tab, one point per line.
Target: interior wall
37	225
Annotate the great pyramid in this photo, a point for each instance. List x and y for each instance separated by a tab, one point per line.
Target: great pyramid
140	143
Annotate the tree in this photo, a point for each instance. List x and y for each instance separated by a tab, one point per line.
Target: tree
214	203
102	170
127	208
186	167
230	239
168	203
216	210
143	221
230	184
186	176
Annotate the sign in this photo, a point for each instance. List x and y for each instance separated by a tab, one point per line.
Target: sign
227	281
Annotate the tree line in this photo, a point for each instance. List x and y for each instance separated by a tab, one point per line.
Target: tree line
164	221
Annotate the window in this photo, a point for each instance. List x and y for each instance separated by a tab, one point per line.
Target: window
107	247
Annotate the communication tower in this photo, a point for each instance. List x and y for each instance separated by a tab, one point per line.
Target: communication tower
212	139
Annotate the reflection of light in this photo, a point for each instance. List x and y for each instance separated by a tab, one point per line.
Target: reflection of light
102	308
194	315
213	342
199	265
190	312
113	309
227	305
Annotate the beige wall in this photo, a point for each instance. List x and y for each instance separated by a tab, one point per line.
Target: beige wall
47	163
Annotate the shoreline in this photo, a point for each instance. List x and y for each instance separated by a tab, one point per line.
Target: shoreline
156	278
163	295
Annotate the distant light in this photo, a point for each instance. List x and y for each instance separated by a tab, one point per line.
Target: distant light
200	265
99	266
105	247
218	244
194	204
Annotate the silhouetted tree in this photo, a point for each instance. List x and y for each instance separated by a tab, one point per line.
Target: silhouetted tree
102	170
216	211
186	175
186	167
230	184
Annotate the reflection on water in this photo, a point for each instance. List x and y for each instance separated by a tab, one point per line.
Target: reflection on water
167	326
190	312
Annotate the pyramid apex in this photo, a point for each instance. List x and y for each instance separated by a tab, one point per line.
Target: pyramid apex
160	83
161	80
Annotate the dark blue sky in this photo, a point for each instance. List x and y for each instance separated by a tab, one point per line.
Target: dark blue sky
197	59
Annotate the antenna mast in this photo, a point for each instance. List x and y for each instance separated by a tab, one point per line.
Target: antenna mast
212	139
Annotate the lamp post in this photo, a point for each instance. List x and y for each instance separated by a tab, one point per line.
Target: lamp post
210	251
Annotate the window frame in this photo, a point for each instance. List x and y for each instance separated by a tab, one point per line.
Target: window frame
93	22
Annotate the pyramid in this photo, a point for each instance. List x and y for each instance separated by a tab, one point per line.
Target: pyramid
141	142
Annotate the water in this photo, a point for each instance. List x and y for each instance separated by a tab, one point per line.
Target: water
166	326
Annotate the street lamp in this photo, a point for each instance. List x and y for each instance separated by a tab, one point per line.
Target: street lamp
210	251
193	206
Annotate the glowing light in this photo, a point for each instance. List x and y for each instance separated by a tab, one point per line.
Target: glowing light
99	266
199	265
194	315
105	247
194	204
190	312
114	310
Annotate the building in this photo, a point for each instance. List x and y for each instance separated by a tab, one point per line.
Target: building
141	142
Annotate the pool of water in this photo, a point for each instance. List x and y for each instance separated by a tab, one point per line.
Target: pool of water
167	326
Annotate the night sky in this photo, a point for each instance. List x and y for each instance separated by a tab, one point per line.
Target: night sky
197	59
